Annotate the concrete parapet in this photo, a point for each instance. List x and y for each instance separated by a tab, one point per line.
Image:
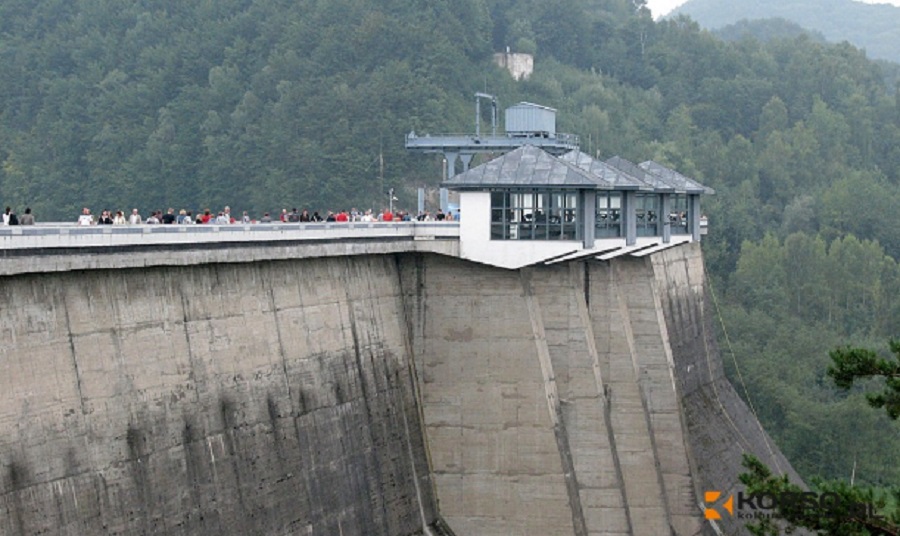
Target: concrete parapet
48	236
59	249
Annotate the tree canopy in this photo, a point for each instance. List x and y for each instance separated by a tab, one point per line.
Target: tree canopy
835	508
873	26
858	364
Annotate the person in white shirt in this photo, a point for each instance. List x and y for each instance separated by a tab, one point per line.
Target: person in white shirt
86	218
135	218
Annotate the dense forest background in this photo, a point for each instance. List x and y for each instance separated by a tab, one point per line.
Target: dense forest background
261	104
874	27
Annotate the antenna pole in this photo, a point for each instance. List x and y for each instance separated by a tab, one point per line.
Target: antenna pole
494	116
381	166
477	116
478	97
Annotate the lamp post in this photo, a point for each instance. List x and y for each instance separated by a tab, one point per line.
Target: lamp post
391	200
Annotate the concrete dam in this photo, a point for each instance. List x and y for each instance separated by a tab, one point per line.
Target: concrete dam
352	386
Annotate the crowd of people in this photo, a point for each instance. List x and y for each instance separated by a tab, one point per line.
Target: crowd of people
226	217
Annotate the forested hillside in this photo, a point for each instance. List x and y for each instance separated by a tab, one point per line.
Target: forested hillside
265	103
766	30
874	27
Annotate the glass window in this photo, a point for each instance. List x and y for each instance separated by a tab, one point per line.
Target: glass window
678	214
570	217
534	215
646	212
608	216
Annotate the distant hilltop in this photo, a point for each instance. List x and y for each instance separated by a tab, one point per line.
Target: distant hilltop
873	27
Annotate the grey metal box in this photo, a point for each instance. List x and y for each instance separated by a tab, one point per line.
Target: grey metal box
531	120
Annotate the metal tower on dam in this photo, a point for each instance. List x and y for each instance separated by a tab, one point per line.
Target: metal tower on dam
526	123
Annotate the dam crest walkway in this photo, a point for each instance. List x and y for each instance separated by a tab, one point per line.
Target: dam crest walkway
64	247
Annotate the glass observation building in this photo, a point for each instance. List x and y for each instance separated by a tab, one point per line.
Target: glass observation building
574	199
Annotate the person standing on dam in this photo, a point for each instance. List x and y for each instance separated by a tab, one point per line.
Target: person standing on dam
86	218
169	217
27	218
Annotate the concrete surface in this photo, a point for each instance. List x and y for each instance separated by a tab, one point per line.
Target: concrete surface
253	398
351	388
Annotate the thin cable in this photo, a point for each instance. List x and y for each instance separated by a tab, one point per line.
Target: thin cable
737	369
715	389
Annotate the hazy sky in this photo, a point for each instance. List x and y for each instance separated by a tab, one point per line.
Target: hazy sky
663	7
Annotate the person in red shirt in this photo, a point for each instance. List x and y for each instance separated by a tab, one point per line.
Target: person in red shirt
342	217
387	216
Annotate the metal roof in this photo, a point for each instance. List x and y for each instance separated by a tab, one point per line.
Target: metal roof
682	183
609	175
656	183
532	105
528	166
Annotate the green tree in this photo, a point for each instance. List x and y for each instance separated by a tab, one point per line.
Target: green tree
805	259
760	278
851	365
850	513
846	516
774	118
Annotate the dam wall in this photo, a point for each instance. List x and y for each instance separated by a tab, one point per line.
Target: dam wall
549	400
582	398
377	392
720	426
254	398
